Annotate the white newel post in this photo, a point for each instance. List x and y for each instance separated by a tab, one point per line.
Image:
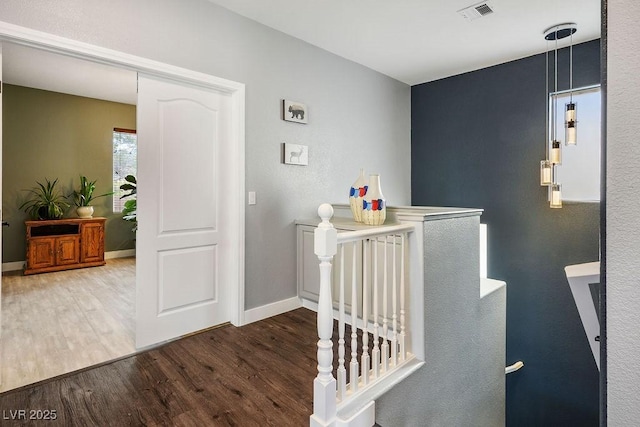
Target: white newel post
324	385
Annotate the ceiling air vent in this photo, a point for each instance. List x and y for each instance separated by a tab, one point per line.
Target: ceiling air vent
476	11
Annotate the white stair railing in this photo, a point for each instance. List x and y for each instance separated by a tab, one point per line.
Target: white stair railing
377	283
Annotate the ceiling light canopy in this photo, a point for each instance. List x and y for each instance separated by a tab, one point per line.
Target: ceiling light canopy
560	31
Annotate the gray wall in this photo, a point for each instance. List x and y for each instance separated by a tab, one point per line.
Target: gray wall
357	117
462	381
53	135
623	221
477	141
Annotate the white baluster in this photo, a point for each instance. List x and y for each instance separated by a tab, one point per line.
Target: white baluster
403	351
394	316
365	313
324	385
342	372
353	373
385	321
375	353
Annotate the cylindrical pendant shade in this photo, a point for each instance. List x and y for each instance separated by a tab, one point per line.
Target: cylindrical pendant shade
555	156
545	172
571	111
571	136
556	196
571	125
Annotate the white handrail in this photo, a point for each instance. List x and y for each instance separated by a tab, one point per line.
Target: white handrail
512	368
380	231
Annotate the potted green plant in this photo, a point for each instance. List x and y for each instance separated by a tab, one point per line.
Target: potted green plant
83	197
129	211
45	201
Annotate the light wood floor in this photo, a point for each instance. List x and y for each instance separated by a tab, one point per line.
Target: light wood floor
55	323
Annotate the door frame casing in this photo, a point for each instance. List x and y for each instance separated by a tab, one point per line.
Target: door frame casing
69	47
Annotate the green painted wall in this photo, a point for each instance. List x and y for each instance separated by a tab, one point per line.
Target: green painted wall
53	135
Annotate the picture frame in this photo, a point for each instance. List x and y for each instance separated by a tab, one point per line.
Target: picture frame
295	154
293	111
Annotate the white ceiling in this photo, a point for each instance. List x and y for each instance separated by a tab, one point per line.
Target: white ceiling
413	41
416	41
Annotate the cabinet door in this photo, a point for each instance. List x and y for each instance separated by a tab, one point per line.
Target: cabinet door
67	250
309	269
41	253
92	242
308	265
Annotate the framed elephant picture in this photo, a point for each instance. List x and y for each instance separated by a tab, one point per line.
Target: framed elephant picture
293	111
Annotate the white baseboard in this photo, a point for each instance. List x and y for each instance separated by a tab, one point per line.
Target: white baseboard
269	310
19	265
311	305
120	254
363	417
12	266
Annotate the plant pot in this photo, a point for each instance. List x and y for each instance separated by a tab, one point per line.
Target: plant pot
85	211
43	213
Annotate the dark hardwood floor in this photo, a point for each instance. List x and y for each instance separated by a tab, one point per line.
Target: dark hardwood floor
257	375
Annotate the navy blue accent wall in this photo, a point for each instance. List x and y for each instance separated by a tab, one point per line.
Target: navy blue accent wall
477	141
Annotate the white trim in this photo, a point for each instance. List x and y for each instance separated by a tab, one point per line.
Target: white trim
313	306
483	251
120	254
19	265
13	266
237	317
379	387
488	286
364	417
273	309
62	45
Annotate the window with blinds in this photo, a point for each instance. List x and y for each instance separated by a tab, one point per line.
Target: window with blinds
125	157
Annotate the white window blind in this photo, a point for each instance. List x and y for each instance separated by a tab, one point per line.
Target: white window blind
125	159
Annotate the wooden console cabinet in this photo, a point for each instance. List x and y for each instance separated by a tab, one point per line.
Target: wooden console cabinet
64	244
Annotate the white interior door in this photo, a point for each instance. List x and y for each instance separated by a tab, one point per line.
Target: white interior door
1	92
184	242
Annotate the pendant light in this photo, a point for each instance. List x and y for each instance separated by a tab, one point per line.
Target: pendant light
556	196
549	166
556	153
545	172
570	123
545	165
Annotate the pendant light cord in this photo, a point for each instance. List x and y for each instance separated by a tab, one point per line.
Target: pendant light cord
571	68
546	96
555	87
554	167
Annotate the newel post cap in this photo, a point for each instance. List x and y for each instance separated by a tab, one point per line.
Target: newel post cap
325	212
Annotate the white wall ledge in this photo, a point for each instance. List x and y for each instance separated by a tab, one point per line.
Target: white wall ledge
489	286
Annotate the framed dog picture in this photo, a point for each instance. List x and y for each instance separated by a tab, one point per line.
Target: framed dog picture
293	111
